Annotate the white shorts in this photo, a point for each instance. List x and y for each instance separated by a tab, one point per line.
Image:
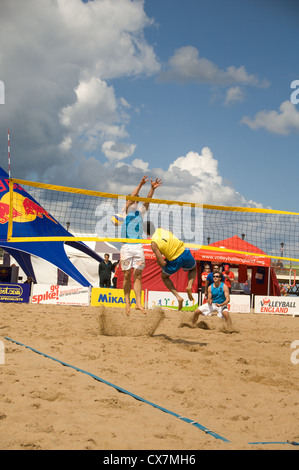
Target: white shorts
207	309
132	256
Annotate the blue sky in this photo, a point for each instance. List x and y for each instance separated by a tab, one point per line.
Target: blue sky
195	92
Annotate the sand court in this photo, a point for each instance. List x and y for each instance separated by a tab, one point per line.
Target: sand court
241	386
118	323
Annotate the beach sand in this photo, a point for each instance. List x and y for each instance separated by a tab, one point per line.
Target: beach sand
241	385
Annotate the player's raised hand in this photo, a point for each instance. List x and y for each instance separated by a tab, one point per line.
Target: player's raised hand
143	181
155	184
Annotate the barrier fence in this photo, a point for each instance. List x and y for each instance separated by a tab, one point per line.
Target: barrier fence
96	296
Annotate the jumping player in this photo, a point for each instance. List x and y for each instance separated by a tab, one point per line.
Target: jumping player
165	243
132	254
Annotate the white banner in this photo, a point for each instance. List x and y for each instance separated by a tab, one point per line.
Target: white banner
167	300
276	305
60	295
239	304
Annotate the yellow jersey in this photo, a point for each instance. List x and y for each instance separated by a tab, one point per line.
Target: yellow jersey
169	245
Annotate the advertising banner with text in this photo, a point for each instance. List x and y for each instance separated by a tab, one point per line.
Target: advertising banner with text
277	305
60	295
19	293
112	297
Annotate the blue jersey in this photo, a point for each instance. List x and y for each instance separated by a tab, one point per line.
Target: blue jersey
218	294
132	226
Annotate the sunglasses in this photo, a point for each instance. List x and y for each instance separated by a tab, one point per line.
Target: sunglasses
216	276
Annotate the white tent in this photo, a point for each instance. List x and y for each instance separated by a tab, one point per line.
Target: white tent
46	273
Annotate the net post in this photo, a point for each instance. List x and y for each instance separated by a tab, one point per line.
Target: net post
10	217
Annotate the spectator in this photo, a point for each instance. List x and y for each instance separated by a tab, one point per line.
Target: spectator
283	290
115	268
105	270
228	277
30	281
204	276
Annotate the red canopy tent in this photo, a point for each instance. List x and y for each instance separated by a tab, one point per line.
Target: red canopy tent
151	276
248	256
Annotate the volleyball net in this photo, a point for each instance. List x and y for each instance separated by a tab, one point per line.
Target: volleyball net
69	214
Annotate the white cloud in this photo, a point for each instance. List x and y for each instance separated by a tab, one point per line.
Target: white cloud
139	163
56	67
283	122
234	95
194	177
186	65
197	179
95	115
66	144
115	151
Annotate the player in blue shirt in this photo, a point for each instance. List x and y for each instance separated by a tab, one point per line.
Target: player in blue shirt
218	300
132	254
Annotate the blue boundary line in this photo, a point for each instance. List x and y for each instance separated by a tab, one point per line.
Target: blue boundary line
291	443
119	389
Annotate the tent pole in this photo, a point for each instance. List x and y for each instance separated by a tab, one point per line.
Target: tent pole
146	299
269	275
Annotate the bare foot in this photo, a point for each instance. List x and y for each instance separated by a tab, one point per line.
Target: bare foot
141	309
189	292
181	301
128	310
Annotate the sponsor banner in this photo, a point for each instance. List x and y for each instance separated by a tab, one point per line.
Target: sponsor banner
112	297
239	304
60	295
19	293
167	300
276	305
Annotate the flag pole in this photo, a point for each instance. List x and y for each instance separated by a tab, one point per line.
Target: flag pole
8	148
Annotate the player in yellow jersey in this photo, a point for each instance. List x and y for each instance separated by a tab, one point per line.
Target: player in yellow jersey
165	244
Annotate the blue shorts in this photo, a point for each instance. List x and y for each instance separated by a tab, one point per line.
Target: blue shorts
185	261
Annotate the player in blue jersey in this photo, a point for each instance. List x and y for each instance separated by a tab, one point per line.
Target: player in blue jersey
132	254
218	300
